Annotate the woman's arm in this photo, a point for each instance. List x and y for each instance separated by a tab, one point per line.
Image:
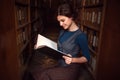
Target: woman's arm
82	41
70	60
79	60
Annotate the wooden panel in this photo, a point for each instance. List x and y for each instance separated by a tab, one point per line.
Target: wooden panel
109	67
8	56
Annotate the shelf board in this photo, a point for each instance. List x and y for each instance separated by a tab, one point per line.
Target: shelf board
25	45
21	4
96	28
34	20
23	25
90	70
93	5
93	51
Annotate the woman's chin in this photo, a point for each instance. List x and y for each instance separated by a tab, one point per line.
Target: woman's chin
65	28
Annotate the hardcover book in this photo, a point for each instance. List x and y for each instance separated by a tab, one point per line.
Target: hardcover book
49	47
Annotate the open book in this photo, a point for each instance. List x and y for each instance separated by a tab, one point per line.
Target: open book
49	47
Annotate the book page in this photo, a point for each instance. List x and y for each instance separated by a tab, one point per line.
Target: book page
43	41
48	47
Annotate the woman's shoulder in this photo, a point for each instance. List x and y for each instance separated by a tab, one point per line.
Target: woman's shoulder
81	35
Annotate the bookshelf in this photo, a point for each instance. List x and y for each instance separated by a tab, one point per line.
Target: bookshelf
23	33
36	18
93	18
20	22
90	14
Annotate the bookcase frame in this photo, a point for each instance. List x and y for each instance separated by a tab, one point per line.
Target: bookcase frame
19	28
102	65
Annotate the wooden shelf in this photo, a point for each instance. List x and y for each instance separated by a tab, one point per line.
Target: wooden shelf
23	25
91	19
96	28
101	17
24	46
16	36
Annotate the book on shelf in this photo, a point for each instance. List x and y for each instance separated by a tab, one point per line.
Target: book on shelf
49	47
92	16
21	15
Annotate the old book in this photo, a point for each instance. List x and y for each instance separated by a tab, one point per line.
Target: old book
49	47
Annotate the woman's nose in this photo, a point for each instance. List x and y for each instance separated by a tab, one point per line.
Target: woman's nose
61	23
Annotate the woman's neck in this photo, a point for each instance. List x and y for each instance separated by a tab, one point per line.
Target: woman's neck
73	27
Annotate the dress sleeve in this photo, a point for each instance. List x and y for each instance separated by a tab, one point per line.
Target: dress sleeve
83	43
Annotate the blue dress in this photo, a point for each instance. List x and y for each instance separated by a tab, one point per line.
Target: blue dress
72	43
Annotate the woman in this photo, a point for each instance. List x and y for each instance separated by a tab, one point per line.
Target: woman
71	41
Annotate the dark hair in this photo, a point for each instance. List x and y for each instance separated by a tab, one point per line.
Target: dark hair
66	10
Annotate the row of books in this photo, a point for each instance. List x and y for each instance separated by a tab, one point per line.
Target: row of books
93	41
92	2
24	56
93	38
92	63
90	19
34	14
92	16
86	3
34	31
22	15
22	37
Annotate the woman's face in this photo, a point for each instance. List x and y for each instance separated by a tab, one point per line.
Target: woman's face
64	21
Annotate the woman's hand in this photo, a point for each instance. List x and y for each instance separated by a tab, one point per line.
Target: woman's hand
68	60
35	46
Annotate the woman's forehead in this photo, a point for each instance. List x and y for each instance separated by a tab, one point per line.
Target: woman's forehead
59	17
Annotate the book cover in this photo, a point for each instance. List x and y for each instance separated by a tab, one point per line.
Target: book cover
49	47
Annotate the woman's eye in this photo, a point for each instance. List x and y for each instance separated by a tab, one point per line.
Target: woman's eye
62	20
